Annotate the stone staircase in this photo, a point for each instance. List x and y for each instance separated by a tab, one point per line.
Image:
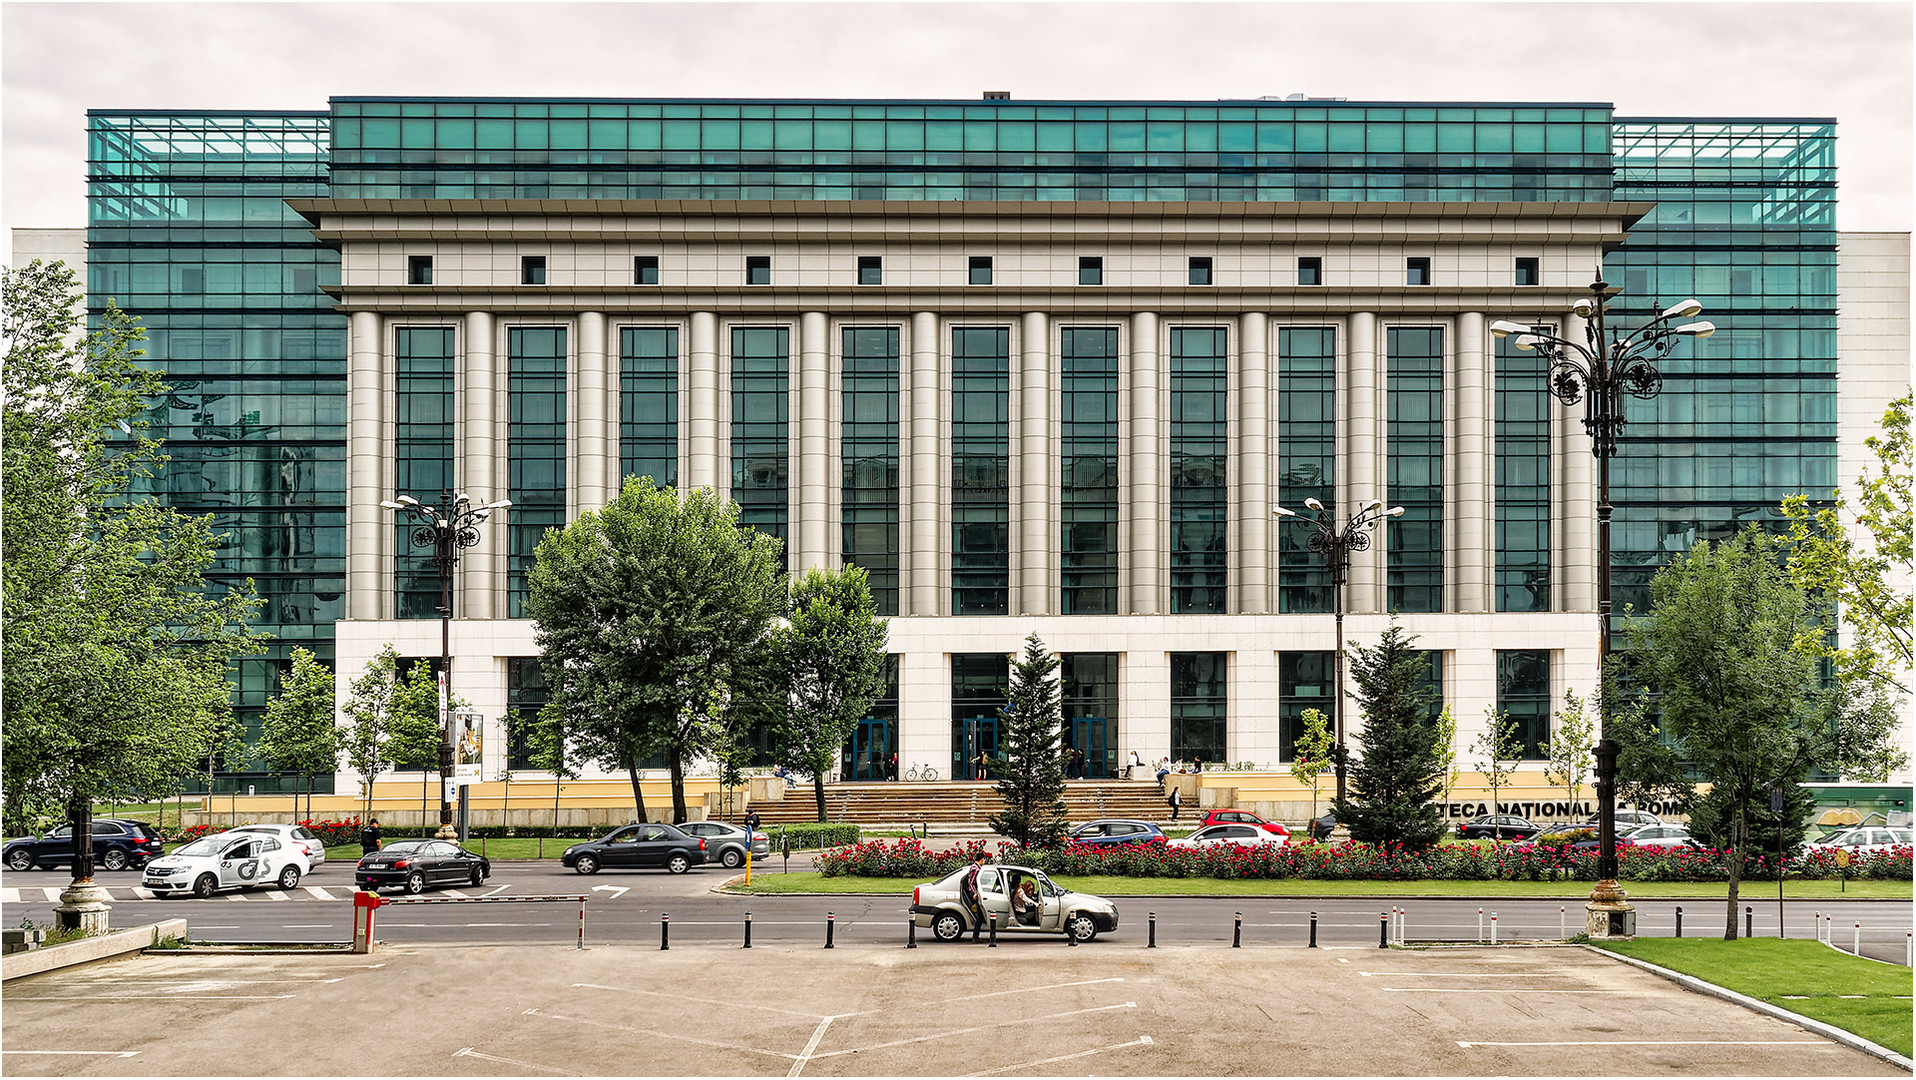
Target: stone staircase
955	805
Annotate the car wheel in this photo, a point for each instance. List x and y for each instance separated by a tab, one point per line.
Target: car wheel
477	877
587	864
289	877
205	886
113	859
947	926
678	863
732	859
20	860
416	882
1081	928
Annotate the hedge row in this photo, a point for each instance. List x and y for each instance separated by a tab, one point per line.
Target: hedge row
813	834
1350	861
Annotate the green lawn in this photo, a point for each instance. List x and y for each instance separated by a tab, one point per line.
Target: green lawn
1860	996
1126	886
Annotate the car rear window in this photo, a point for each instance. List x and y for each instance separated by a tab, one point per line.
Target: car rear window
305	834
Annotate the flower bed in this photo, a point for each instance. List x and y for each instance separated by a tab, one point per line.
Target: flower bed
1349	861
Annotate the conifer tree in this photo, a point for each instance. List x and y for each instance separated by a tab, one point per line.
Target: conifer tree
1394	784
1031	765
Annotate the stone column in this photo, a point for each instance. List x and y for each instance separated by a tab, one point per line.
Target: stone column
1037	539
1575	516
483	473
1472	495
1362	459
924	559
368	525
812	520
594	435
702	406
1251	466
1146	441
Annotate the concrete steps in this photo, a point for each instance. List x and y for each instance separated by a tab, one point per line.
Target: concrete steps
956	803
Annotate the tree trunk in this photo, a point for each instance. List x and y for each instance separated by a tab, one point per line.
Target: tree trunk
638	797
678	788
818	792
1738	838
505	820
80	816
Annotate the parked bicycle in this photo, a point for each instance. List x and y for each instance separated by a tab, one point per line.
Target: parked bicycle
927	771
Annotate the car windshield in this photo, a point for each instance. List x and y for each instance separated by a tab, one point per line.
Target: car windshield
205	845
405	845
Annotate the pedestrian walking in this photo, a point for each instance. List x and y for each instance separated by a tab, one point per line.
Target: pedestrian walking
369	837
1176	801
751	821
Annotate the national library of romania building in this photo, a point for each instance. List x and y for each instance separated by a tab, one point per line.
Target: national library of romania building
1038	366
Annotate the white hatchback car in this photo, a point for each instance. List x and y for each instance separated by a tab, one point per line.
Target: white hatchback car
228	860
298	837
1866	840
1222	835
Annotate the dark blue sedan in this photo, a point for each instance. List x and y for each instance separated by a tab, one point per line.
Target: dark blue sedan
1116	832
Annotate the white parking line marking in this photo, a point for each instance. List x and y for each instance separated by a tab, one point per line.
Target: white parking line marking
1032	989
495	891
455	894
660	1034
96	1053
211	927
307	926
138	997
9	896
818	1033
508	924
50	894
1142	1040
143	894
470	1052
703	1001
1668	1042
318	892
971	1030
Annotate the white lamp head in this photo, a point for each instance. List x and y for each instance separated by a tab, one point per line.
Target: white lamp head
1697	329
408	500
1282	512
1314	504
1396	511
500	504
1373	504
1503	327
462	497
1527	342
1584	308
390	505
1683	309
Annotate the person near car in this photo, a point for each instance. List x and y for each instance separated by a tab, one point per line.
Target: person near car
751	822
369	837
968	894
1176	801
1024	902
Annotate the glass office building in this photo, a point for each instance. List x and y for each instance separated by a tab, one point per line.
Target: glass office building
1037	366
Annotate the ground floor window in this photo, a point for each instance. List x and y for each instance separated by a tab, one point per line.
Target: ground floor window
979	682
1198	707
1090	698
872	752
1523	692
1305	680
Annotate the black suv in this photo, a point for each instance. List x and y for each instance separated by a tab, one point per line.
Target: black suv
117	845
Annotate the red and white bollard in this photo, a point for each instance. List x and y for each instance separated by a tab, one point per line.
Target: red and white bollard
1493	928
364	904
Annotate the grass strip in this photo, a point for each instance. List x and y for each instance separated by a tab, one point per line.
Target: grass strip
1860	996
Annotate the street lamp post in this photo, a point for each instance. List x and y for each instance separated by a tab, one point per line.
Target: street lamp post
1336	546
1599	374
447	529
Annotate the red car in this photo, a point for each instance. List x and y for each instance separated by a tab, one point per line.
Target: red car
1243	817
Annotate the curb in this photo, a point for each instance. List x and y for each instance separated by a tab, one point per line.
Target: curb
1818	1027
105	947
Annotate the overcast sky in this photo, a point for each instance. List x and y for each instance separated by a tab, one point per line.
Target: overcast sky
1847	61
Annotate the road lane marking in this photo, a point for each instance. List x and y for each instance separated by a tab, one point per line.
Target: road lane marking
10	896
455	894
307	926
616	890
973	1030
318	892
495	891
1667	1042
143	894
211	927
818	1033
1477	974
1142	1040
50	894
703	1001
659	1034
468	1051
138	997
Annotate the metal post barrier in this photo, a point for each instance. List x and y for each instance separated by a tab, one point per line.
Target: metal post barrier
911	931
1749	922
1313	943
665	932
582	923
1679	932
994	929
748	929
1493	928
1480	924
1070	938
1563	923
1152	941
1856	943
1909	949
831	921
1383	930
1816	924
1237	931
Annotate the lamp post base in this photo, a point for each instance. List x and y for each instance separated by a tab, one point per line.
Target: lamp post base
83	906
1608	915
446	831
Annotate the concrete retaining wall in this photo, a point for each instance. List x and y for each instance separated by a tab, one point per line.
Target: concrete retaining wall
87	950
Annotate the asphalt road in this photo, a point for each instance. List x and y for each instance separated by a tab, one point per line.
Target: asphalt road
626	908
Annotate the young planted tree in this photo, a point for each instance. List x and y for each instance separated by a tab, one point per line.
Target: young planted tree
298	734
413	731
116	648
368	705
547	746
649	612
1568	753
1030	768
1447	750
1498	750
1311	754
1393	786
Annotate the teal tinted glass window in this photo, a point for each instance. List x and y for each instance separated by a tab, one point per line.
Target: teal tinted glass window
980	470
1198	445
871	270
419	270
980	270
1310	270
535	446
1307	461
758	270
1088	469
979	683
532	270
1091	270
1415	445
423	359
1305	680
645	270
869	449
1088	697
1523	693
1200	270
526	693
761	431
1198	707
1523	491
649	403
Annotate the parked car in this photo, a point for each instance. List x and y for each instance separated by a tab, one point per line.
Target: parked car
1498	827
1116	832
1052	909
1244	817
1662	836
228	860
294	836
1864	840
1229	835
636	847
416	865
725	844
1322	826
118	844
1627	819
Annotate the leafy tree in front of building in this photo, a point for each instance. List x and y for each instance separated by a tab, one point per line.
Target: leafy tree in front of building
298	734
1498	749
1568	754
117	649
369	702
650	612
1399	771
414	731
1030	761
1311	754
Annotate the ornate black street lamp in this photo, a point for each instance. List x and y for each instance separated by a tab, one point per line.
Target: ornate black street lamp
447	529
1336	546
1600	373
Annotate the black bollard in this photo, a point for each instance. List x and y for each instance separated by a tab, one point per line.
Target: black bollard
1313	943
1679	921
1070	938
1237	931
748	929
1749	922
1152	941
911	932
994	930
665	932
1383	930
831	920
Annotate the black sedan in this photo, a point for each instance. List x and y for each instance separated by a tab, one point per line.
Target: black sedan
1116	832
117	845
1497	827
637	847
416	865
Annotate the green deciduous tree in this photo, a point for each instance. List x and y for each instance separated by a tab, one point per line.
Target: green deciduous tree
1393	786
117	650
299	734
1447	750
1570	751
369	703
413	731
1030	766
1311	754
649	613
1497	749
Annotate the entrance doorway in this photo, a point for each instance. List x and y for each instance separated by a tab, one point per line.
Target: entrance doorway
972	736
870	754
1096	736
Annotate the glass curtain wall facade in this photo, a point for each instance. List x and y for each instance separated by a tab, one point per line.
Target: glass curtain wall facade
1523	693
1089	694
980	470
761	430
1522	446
1200	493
649	404
535	446
1198	706
1415	438
423	360
872	753
869	446
1088	454
1307	460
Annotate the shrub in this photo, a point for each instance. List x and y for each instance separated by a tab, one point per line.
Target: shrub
813	834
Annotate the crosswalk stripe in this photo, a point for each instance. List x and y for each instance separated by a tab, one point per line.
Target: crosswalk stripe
142	894
319	892
456	894
275	894
50	894
9	896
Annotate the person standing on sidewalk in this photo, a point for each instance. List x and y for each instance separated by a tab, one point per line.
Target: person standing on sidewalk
369	837
1176	801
